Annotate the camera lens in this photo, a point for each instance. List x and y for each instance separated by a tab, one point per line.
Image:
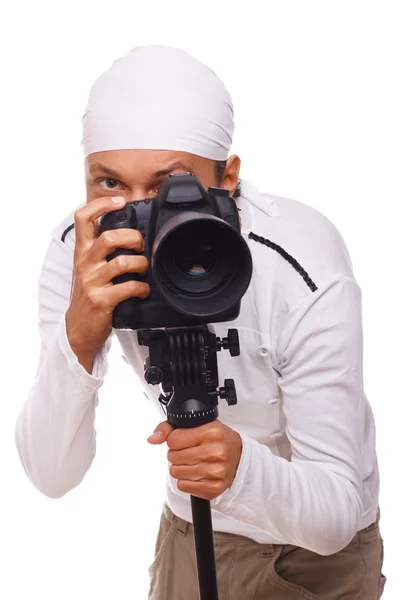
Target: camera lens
193	255
201	264
195	259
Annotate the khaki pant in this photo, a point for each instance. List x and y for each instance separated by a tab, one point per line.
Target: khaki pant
247	570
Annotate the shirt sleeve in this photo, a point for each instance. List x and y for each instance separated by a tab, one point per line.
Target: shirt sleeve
313	500
54	432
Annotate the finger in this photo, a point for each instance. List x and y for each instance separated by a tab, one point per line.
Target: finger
115	293
119	265
198	454
161	433
201	489
111	239
86	225
202	471
194	436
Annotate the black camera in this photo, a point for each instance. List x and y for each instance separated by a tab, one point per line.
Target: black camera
199	264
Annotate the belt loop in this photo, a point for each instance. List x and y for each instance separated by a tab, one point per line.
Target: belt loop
181	525
267	549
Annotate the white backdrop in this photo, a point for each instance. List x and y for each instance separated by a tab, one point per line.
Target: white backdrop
316	96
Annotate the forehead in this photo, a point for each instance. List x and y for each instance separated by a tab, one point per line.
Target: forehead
141	162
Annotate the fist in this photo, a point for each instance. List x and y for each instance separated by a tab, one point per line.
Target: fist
204	459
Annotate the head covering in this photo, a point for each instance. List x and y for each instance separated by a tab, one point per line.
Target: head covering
160	98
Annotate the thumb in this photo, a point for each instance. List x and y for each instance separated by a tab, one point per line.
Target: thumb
160	433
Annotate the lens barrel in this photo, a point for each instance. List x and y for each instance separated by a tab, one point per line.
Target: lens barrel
201	264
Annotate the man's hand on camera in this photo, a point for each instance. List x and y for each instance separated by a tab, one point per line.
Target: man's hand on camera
93	294
204	459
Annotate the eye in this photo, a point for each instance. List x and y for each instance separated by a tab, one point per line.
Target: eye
111	183
154	190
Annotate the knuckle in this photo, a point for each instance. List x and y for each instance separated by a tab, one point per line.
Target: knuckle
220	453
78	216
91	297
170	441
215	432
173	440
120	262
218	471
108	238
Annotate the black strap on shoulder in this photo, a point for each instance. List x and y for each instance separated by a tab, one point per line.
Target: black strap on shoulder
286	256
66	231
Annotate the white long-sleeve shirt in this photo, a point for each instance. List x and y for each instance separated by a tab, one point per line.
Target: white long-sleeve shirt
308	473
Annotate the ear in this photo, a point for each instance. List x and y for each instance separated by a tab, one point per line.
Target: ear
230	179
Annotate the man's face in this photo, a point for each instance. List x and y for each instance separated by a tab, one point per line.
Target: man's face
137	174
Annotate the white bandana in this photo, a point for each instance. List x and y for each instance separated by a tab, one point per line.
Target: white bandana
159	98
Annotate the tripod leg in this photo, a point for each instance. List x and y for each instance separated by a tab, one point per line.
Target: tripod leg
204	545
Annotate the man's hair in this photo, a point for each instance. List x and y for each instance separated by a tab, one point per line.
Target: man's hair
220	167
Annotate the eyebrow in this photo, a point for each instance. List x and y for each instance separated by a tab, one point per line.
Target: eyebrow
100	167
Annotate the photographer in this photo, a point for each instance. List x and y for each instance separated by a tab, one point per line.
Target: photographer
291	471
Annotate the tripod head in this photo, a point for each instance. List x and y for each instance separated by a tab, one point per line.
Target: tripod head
184	361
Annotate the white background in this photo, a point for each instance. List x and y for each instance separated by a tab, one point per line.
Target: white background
315	89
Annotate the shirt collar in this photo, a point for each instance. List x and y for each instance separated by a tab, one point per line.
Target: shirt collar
265	202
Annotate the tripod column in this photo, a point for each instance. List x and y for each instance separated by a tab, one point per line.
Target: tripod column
204	547
184	362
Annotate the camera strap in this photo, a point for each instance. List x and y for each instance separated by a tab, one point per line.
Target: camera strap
286	256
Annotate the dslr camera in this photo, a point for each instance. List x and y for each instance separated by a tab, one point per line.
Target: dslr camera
199	264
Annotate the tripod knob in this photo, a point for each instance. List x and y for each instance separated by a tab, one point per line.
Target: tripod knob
153	375
230	343
233	343
228	392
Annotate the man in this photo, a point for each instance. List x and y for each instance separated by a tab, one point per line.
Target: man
291	471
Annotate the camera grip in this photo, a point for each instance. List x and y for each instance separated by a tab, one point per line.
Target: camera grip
124	311
124	276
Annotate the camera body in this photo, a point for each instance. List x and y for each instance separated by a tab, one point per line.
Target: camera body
194	248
